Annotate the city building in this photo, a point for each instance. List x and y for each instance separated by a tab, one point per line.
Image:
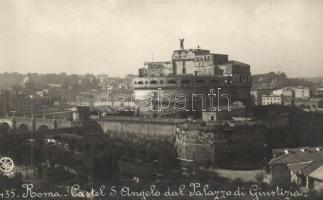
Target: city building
272	99
236	111
4	102
302	92
85	99
310	104
318	91
191	72
317	177
257	95
297	165
156	69
287	94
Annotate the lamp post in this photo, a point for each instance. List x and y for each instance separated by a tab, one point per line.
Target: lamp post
32	132
29	107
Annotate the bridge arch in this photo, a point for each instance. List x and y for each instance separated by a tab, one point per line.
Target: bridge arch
23	128
4	128
43	129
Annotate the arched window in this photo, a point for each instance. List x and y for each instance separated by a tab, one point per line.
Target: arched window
171	82
140	83
183	70
153	82
186	81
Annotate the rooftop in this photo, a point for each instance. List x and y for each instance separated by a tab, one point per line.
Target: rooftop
305	168
297	155
318	173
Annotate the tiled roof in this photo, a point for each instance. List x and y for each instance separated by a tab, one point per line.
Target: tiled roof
298	167
311	167
317	174
296	155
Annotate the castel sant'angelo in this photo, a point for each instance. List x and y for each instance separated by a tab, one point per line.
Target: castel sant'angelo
210	92
194	80
197	101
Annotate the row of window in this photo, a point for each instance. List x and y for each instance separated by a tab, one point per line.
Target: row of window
201	58
152	82
271	99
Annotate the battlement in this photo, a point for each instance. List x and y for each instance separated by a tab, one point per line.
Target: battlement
194	62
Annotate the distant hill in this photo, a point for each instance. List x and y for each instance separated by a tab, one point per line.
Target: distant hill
274	80
318	79
269	80
8	80
68	83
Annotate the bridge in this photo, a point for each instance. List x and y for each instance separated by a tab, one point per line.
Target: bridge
15	124
31	124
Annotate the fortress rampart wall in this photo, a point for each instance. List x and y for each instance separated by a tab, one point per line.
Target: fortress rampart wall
134	129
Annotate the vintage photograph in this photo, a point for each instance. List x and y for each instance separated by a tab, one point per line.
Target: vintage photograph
161	99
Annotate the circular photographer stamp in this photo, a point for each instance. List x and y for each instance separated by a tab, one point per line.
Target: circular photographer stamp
6	166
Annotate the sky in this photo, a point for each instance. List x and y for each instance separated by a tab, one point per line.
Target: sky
116	37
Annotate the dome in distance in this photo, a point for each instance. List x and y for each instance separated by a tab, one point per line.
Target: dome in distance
28	81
